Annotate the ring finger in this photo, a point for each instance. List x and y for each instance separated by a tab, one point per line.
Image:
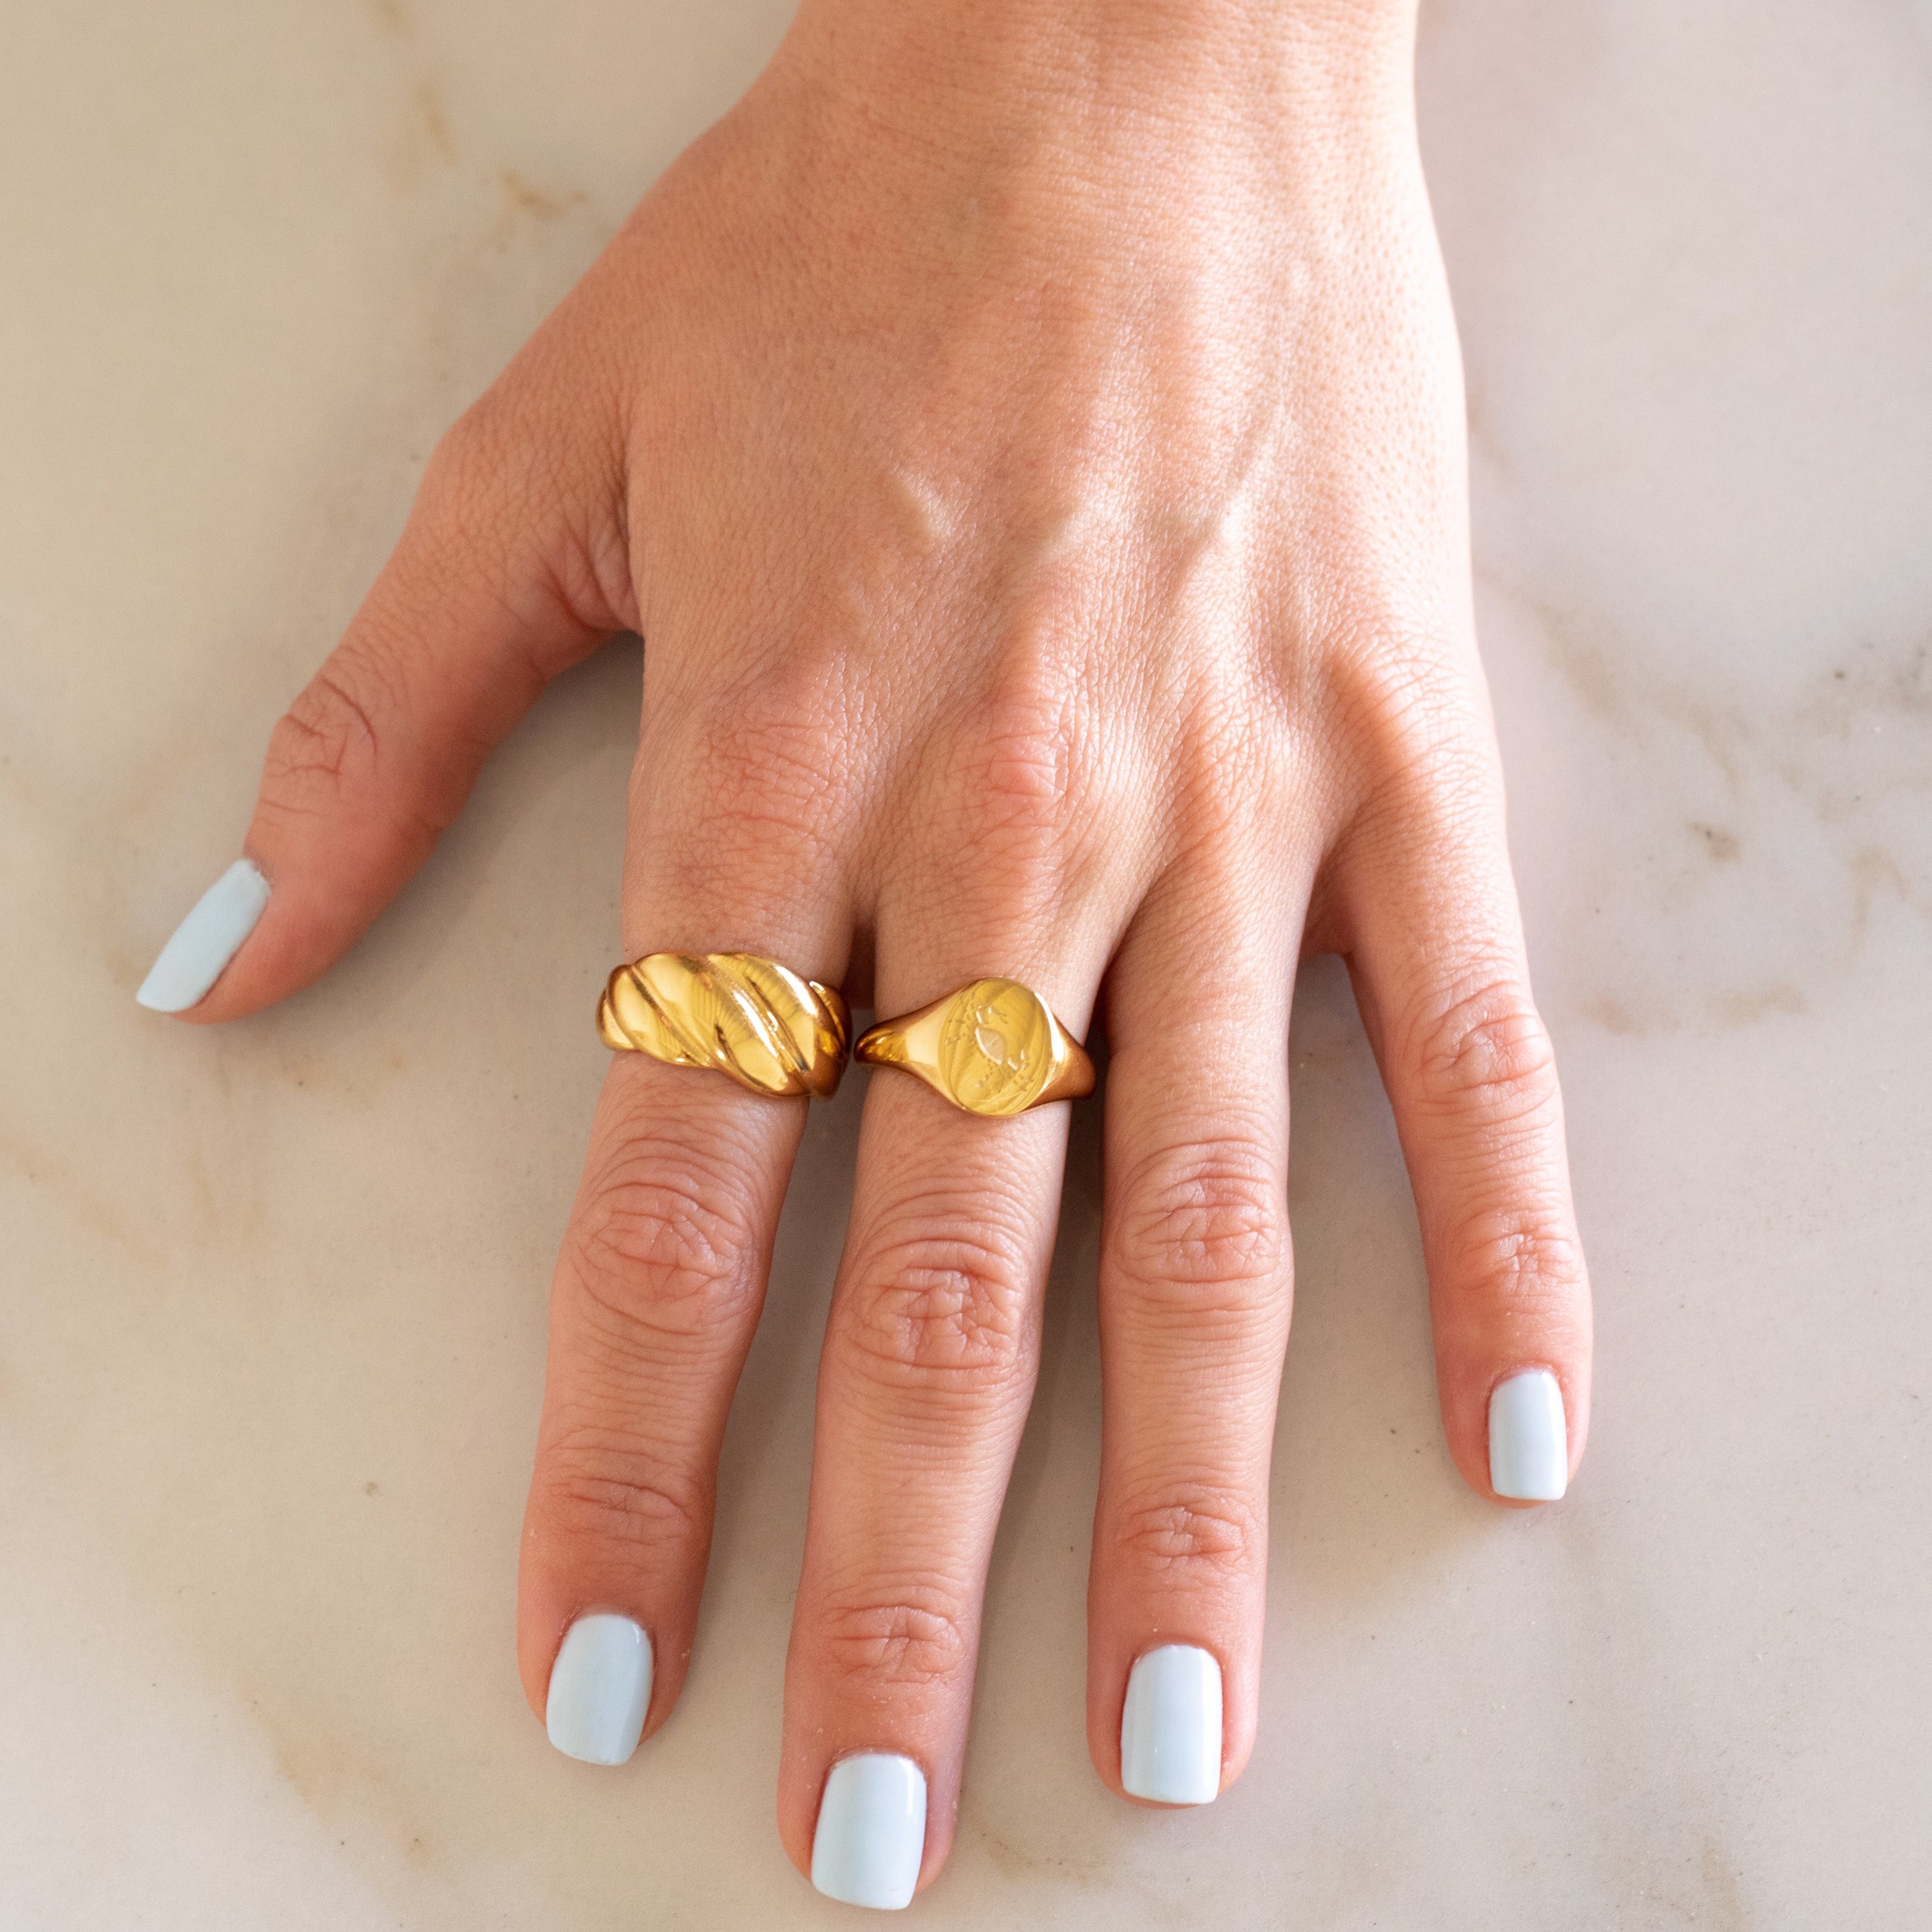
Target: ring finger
928	1367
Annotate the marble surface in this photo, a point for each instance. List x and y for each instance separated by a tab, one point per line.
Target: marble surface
271	1302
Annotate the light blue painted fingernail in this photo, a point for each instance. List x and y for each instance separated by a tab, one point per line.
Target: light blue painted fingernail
600	1688
871	1837
204	942
1171	1727
1529	1445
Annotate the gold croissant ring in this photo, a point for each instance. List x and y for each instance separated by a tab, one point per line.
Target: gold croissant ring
994	1047
749	1017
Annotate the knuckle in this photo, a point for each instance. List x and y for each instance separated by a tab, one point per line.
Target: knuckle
1228	767
1412	717
912	1640
1208	1218
470	450
1014	759
1011	793
941	1307
597	1490
326	743
1487	1051
1526	1262
663	1246
1392	671
1420	731
771	776
771	763
1195	1530
1016	764
496	473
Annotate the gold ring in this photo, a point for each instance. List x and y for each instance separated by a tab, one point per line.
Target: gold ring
994	1047
749	1017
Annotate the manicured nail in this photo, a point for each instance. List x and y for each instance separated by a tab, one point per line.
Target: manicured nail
600	1688
1529	1448
205	941
1171	1728
872	1831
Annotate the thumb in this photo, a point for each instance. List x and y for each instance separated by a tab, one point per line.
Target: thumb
512	567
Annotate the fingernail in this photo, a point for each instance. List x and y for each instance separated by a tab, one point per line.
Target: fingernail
600	1688
1171	1728
872	1831
1529	1448
205	941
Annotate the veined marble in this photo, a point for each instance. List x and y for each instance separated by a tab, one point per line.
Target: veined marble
271	1299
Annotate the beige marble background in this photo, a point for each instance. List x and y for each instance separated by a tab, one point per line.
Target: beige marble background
271	1301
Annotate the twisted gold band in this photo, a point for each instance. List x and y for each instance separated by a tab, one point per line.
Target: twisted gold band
994	1048
741	1015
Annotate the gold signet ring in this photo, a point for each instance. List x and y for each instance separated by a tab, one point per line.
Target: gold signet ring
751	1017
994	1048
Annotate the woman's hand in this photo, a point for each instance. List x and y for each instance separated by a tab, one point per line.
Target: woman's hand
1029	438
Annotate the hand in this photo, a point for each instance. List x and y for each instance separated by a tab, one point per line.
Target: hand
1029	439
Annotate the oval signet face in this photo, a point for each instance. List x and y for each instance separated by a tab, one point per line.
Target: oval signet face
996	1047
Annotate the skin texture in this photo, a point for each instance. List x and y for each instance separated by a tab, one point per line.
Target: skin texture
1030	440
